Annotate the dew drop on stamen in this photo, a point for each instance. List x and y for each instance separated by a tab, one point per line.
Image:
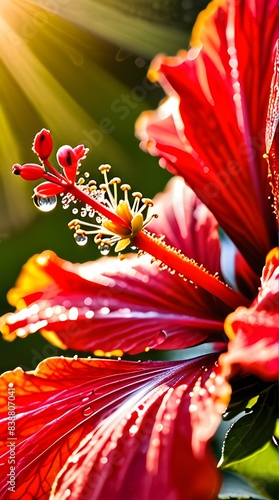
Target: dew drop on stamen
104	249
45	204
81	239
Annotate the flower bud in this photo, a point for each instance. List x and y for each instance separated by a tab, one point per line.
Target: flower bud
29	171
66	157
42	144
70	157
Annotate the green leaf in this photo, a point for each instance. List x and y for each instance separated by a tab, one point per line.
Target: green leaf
252	431
235	410
236	488
261	470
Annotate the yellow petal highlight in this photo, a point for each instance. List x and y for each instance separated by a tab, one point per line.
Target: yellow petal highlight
117	353
137	223
202	19
31	279
122	244
124	211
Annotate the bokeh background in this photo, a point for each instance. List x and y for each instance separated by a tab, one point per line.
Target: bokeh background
77	68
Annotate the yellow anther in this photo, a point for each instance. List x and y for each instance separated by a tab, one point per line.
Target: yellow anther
137	194
147	201
125	187
81	181
74	224
115	180
98	238
104	168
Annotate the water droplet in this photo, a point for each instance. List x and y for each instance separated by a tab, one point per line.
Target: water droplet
84	400
104	249
86	175
80	239
45	204
75	211
160	337
87	411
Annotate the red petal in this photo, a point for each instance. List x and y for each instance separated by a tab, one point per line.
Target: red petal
139	306
143	424
47	189
272	133
81	151
111	305
220	153
254	332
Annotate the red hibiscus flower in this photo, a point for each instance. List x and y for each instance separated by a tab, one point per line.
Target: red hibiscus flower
211	129
96	429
